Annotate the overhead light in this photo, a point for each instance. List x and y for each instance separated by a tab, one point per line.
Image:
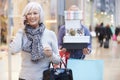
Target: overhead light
102	12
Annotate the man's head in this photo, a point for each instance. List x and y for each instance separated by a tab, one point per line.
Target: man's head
73	8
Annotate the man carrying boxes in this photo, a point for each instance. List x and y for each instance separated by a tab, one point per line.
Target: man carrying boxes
73	37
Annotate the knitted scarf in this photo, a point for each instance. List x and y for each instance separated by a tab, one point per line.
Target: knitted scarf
34	45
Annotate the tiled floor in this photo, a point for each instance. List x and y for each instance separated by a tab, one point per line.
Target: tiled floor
110	56
111	59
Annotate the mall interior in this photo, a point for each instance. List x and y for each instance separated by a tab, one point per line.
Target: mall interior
93	12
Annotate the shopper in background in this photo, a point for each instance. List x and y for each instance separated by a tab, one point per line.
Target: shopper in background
101	33
74	53
108	35
108	32
113	32
37	44
118	38
96	30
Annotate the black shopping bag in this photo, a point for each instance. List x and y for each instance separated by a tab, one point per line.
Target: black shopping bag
58	74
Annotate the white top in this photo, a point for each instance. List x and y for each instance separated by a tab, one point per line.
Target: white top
30	70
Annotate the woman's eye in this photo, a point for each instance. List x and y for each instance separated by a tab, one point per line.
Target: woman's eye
29	14
35	13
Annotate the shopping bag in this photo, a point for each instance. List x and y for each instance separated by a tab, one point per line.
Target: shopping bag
86	69
114	37
64	55
58	74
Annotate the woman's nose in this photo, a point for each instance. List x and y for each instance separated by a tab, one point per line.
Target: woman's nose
32	15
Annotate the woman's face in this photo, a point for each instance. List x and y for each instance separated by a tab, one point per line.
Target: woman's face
33	18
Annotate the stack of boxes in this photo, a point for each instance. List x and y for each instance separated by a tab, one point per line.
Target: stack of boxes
74	34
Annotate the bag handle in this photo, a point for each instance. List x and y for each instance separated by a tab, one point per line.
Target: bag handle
63	63
60	63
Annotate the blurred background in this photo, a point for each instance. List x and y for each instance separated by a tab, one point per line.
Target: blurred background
93	13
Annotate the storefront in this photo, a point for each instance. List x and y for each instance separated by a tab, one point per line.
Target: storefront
49	6
53	9
3	21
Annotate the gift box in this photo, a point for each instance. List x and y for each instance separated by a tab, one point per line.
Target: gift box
76	42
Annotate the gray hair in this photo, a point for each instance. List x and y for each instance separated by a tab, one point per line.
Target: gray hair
31	6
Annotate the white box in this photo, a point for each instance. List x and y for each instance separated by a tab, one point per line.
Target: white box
73	15
76	39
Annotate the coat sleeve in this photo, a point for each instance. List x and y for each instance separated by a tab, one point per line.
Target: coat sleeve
61	34
55	58
15	45
87	33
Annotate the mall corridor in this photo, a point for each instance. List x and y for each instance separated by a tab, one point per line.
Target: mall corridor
111	58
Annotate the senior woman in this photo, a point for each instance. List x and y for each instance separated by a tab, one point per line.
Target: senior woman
37	44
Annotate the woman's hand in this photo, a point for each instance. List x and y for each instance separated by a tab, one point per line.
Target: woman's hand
48	51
